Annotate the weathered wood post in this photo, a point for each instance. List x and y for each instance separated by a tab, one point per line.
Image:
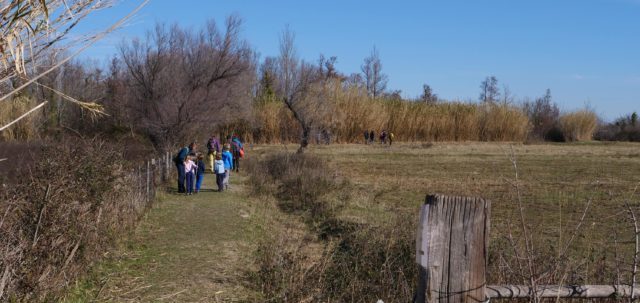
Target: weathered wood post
451	249
148	180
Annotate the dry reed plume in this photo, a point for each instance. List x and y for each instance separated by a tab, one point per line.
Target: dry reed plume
579	125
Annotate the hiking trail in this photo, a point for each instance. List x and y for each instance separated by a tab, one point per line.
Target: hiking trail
187	249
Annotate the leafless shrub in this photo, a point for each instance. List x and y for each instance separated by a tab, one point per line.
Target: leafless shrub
59	214
303	185
544	117
351	262
625	128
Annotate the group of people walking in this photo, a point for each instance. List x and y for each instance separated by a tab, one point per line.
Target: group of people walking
370	137
222	158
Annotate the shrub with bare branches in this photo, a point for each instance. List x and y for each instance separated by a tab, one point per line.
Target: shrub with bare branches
59	214
178	81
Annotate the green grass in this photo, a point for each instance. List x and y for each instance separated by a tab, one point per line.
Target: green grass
188	248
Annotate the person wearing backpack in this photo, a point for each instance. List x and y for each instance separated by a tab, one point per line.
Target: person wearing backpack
213	147
237	150
179	160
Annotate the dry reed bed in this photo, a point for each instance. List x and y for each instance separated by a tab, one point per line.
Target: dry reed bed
59	215
25	129
352	112
409	121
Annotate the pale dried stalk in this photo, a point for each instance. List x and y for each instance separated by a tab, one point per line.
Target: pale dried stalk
92	107
90	42
636	233
23	116
525	231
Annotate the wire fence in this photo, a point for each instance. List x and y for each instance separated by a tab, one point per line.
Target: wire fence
153	174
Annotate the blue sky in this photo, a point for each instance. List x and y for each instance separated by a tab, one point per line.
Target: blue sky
587	52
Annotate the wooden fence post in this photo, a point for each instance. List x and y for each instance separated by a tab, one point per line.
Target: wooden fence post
451	249
148	179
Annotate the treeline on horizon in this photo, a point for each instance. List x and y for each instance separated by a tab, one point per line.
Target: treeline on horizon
176	85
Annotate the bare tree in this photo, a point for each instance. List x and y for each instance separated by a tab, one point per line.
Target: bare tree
427	95
180	80
266	90
489	90
296	80
543	114
355	80
327	67
375	79
507	96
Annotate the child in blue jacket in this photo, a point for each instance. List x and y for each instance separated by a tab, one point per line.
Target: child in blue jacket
218	168
227	158
200	172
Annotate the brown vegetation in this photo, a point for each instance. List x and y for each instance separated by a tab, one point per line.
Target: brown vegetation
360	244
60	213
25	129
579	125
353	112
344	261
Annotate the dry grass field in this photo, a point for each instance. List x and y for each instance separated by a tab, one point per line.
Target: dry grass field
338	223
558	185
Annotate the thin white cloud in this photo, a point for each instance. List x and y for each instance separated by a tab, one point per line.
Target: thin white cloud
578	77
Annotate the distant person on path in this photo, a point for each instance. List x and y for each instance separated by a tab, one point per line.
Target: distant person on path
213	147
237	150
190	169
366	136
227	158
326	137
391	137
200	172
218	169
372	136
383	137
179	160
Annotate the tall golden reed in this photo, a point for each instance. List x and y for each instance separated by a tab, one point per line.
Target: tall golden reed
579	125
26	128
353	112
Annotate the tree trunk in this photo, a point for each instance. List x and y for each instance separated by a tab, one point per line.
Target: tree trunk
304	140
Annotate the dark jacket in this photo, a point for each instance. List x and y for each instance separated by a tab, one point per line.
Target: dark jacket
201	167
182	154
